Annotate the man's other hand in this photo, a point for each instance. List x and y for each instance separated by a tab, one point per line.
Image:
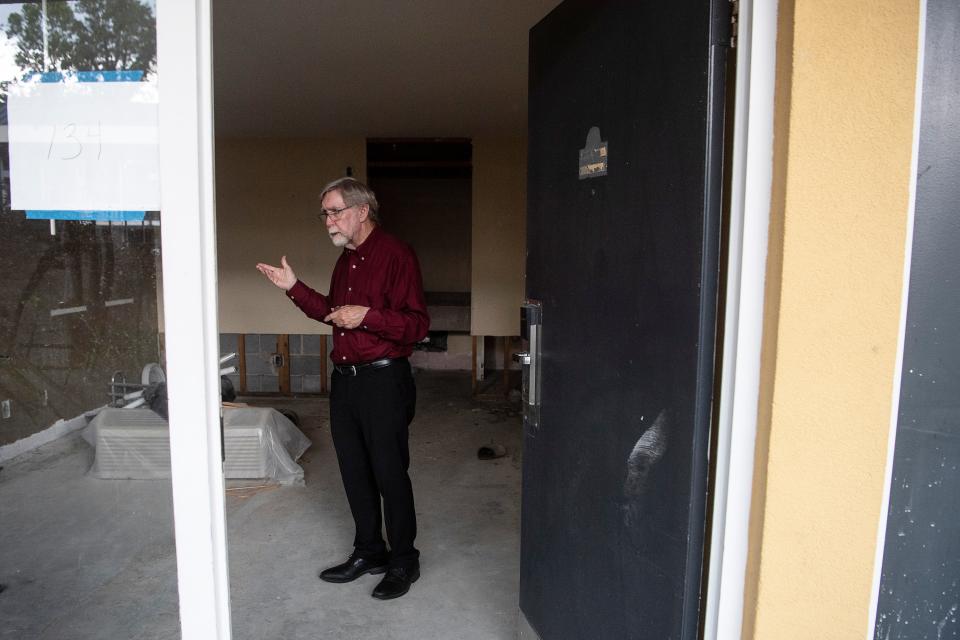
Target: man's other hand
349	316
282	276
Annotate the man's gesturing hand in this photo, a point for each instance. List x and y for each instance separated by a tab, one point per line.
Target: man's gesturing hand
348	316
282	276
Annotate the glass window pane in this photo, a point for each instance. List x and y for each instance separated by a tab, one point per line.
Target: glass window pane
87	539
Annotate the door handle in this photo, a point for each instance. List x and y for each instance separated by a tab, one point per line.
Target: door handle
531	361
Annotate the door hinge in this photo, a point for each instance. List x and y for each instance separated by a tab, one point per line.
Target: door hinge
734	22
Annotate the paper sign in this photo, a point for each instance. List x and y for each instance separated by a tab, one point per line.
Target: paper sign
88	146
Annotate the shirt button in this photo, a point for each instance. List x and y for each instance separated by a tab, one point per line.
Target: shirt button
349	288
354	266
343	357
342	334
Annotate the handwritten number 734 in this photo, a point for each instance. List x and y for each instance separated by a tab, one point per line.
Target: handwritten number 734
71	138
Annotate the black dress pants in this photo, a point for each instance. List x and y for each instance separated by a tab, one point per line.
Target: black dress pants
369	415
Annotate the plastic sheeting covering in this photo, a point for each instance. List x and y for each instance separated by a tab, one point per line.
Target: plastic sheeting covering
260	443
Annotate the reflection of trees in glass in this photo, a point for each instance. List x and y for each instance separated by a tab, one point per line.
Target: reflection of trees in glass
85	35
67	361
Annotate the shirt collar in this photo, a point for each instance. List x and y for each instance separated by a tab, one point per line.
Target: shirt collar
368	245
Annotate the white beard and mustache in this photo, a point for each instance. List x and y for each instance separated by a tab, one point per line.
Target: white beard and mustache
338	239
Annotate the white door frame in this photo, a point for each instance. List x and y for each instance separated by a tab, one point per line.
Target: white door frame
188	232
752	175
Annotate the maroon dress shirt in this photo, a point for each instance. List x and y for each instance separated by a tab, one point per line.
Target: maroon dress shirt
383	274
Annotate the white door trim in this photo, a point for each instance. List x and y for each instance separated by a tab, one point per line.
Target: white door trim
904	299
752	175
190	316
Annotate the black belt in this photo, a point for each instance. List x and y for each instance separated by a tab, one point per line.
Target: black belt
357	369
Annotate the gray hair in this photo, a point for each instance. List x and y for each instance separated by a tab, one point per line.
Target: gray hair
354	193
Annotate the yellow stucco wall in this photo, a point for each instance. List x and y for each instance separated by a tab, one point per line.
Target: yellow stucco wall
843	128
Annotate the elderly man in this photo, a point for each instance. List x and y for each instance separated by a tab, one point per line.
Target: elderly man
377	309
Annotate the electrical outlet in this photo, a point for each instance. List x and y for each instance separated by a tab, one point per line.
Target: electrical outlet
5	411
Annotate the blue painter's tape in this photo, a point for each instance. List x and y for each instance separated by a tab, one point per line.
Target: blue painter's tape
101	216
86	76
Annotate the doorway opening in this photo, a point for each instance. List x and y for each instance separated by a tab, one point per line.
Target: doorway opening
426	104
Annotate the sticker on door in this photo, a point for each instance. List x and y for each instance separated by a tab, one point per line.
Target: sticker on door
593	156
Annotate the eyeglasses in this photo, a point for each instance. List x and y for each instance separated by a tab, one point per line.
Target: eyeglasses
333	214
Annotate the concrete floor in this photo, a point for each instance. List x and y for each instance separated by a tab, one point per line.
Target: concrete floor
84	558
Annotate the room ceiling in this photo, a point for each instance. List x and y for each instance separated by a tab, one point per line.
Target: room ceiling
416	68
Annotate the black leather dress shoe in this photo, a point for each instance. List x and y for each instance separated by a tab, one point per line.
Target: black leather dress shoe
396	583
353	568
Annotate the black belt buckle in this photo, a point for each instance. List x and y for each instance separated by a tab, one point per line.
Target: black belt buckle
346	369
357	369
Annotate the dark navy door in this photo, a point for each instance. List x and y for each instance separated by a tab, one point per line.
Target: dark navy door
624	227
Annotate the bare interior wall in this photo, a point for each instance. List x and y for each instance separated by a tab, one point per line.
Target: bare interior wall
266	207
499	235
